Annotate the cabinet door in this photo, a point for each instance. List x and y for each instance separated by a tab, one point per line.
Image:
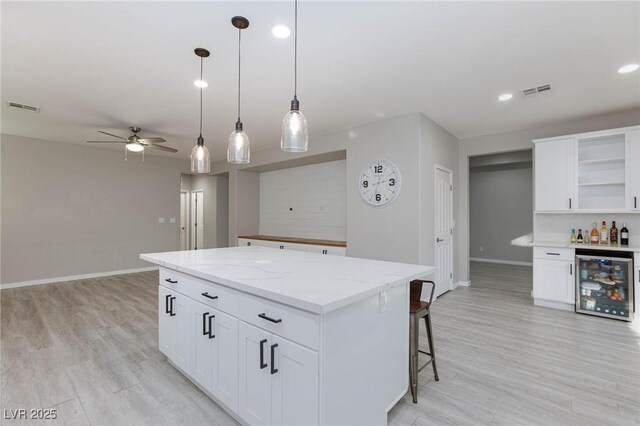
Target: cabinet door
632	167
254	405
224	360
295	384
555	179
553	280
167	325
202	351
335	251
181	308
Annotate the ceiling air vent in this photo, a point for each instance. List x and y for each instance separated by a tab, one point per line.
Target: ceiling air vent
535	90
23	107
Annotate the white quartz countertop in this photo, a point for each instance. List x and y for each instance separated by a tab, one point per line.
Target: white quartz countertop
584	246
312	282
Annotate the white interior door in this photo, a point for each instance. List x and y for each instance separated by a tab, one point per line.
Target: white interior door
197	220
184	220
444	230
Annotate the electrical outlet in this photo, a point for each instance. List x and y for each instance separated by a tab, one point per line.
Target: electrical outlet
481	248
383	301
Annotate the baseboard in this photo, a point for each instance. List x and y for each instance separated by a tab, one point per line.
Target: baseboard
505	262
75	277
555	305
461	284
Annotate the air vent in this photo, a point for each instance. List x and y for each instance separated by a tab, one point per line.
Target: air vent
535	90
23	107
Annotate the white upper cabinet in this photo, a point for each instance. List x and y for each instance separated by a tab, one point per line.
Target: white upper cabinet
633	169
589	172
555	175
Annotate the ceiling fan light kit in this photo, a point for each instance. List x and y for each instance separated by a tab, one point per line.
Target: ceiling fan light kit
200	160
238	149
295	135
134	143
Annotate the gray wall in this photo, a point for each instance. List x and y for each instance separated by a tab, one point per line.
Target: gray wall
209	187
222	210
501	209
71	209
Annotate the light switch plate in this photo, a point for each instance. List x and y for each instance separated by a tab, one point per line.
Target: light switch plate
172	220
161	220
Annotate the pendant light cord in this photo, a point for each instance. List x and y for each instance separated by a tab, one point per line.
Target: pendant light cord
295	54
239	65
201	61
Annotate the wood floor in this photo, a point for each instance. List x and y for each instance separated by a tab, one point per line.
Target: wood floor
89	349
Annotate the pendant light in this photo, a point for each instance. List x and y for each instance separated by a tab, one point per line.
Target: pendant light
238	150
200	162
295	136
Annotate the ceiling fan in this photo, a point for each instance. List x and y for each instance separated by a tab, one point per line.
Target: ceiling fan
135	143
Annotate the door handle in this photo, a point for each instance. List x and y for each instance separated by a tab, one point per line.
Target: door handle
211	335
171	313
439	240
273	350
166	304
208	296
264	316
263	365
204	324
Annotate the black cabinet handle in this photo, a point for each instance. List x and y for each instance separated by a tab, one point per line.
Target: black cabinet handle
324	252
553	254
281	247
211	335
169	280
263	365
208	296
166	304
569	203
273	349
264	316
204	324
635	202
171	313
571	269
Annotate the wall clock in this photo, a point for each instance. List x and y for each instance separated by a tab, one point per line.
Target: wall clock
380	183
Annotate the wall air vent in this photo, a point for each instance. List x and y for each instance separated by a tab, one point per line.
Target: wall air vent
535	90
23	107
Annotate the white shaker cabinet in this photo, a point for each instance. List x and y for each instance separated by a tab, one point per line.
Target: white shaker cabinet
254	375
173	324
288	245
555	175
554	277
633	169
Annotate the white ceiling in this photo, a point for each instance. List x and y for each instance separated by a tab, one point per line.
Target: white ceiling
109	65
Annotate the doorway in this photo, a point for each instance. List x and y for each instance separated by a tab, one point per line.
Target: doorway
184	220
443	229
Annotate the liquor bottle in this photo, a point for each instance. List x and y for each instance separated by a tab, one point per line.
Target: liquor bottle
604	234
613	234
624	235
580	238
595	235
574	238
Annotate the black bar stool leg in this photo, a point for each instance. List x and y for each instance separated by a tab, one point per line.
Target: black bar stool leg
413	356
432	351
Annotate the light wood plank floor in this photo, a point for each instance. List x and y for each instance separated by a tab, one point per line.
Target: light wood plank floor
89	349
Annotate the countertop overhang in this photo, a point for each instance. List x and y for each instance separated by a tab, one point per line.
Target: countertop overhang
313	282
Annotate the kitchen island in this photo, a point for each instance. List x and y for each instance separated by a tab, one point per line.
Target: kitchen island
287	337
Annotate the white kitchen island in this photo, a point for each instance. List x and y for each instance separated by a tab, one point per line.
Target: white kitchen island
284	337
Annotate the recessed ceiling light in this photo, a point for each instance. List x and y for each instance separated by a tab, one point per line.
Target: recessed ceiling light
505	97
628	68
281	31
201	83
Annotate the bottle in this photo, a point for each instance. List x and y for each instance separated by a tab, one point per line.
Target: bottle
624	235
604	234
580	238
595	235
613	234
574	238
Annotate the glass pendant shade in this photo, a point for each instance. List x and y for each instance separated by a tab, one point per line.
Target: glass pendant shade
200	161
295	137
238	151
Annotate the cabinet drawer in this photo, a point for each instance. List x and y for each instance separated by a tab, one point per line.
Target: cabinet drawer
335	251
216	296
176	281
294	324
552	253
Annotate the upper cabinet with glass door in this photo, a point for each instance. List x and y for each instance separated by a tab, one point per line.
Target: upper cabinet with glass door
589	172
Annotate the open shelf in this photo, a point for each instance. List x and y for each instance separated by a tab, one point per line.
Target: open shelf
602	161
601	183
601	173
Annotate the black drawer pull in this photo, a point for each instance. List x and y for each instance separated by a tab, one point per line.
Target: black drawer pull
208	296
553	254
169	280
263	365
211	335
204	324
171	313
264	316
281	247
166	304
273	349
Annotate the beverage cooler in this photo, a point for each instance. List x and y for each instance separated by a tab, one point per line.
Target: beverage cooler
604	284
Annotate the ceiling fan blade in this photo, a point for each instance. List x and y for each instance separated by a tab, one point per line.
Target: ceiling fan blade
105	142
111	134
152	140
162	148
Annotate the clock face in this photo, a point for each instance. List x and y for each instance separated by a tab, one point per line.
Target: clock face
379	183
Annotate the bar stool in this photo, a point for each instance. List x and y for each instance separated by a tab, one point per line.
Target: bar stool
418	310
